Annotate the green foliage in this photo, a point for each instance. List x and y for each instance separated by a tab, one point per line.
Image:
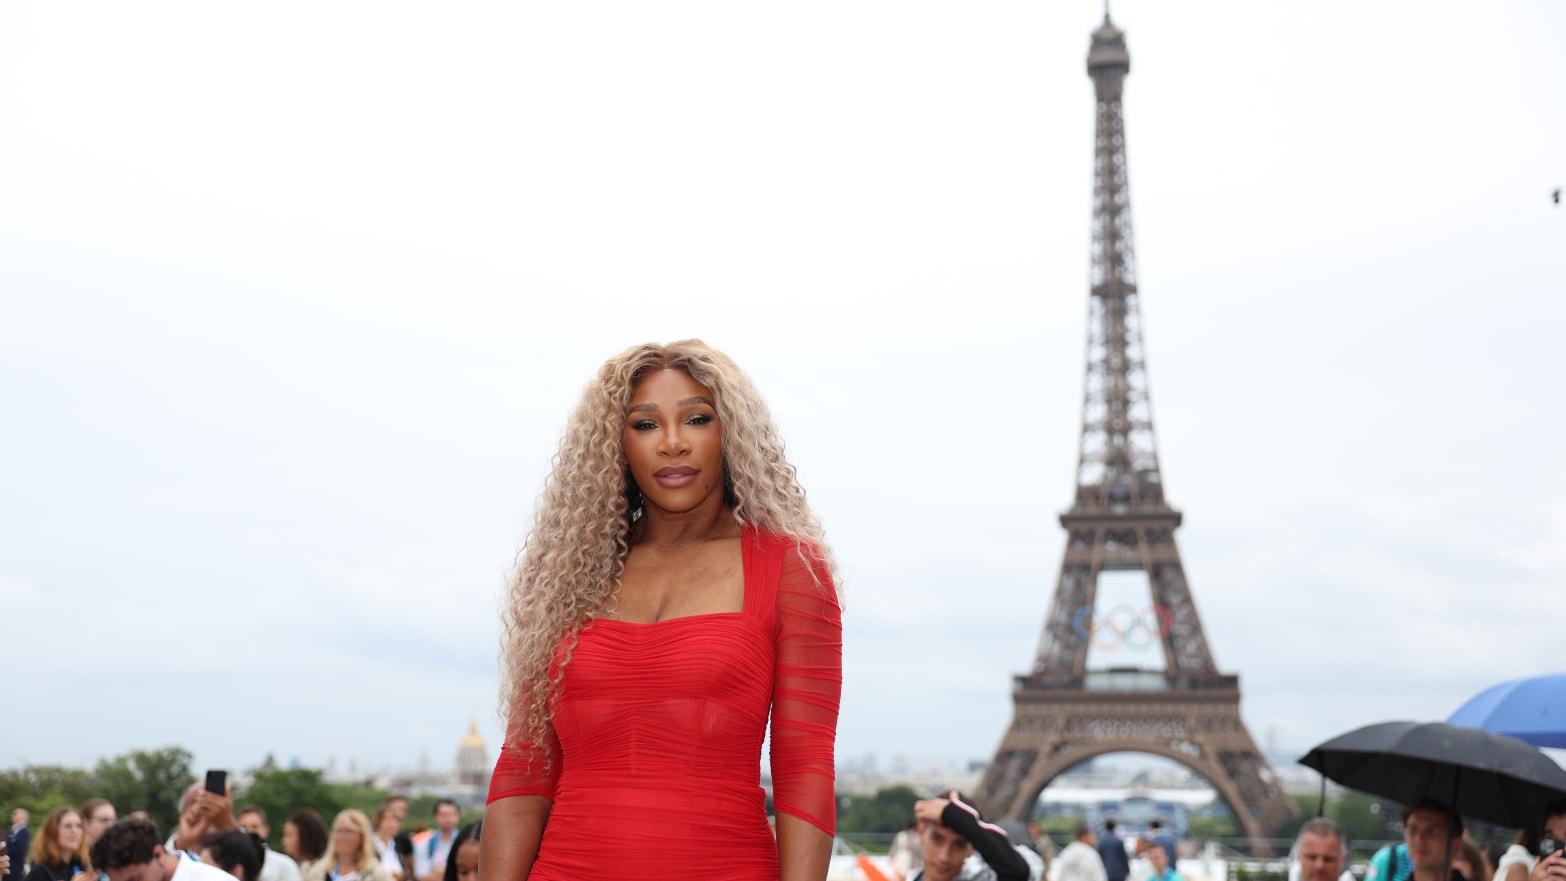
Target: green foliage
280	793
1304	809
366	799
886	812
1363	817
153	780
421	811
41	787
1212	827
1060	826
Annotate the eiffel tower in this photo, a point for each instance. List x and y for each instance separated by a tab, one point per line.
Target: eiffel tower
1064	712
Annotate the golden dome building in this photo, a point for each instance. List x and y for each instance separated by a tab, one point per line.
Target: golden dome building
473	765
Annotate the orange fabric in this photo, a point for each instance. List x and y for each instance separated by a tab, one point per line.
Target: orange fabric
871	871
658	731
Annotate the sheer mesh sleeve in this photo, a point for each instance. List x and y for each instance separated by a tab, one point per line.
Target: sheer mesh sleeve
516	775
806	687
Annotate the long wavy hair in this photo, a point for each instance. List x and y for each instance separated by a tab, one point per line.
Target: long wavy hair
47	849
570	566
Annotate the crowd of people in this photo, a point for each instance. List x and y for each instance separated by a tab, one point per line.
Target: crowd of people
211	841
950	842
1435	842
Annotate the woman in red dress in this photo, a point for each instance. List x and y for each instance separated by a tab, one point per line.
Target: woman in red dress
674	594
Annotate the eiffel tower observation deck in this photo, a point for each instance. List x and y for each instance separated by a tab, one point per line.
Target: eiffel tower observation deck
1119	519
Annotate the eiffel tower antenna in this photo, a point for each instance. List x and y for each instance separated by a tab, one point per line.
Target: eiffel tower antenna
1066	713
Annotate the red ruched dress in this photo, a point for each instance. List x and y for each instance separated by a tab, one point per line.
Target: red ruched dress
658	729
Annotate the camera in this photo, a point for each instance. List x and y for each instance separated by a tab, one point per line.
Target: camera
1548	846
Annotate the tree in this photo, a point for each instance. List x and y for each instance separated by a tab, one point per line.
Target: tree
1060	825
153	780
886	812
279	793
41	787
1361	817
1215	826
1364	817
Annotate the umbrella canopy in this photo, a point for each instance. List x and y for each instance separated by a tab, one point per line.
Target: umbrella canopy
1528	709
1485	776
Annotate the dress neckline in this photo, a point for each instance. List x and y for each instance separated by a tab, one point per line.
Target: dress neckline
695	617
749	539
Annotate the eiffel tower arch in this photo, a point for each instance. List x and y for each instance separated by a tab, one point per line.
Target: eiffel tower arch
1066	713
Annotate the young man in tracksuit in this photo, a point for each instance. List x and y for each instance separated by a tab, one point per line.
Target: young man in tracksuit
950	830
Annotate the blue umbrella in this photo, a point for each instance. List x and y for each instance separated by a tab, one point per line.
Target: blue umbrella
1533	710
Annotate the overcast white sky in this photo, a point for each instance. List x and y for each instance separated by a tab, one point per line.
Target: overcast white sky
295	298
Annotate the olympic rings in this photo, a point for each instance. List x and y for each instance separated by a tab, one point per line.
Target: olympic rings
1123	625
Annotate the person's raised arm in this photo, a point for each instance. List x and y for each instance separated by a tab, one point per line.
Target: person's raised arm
807	684
989	840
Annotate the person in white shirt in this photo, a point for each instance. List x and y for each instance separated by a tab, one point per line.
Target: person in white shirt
386	825
277	866
130	850
1321	853
1079	860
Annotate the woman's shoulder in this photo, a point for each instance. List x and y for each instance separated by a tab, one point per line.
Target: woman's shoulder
790	564
771	541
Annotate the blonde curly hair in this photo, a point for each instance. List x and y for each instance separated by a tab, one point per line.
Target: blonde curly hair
569	567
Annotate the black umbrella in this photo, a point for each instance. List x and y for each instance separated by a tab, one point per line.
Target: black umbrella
1489	777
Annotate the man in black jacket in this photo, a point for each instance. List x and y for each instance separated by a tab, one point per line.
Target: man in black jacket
17	841
950	831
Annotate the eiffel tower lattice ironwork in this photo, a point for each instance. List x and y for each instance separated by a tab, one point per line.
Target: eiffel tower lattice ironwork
1064	712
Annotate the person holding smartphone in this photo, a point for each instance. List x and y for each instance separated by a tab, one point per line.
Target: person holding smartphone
1551	865
205	809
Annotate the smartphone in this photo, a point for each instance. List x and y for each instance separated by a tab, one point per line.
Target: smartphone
217	782
1548	846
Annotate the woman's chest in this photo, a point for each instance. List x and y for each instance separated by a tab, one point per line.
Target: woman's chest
714	671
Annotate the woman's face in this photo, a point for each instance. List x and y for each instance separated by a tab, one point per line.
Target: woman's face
467	861
69	835
101	819
674	442
388	828
291	839
346	839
